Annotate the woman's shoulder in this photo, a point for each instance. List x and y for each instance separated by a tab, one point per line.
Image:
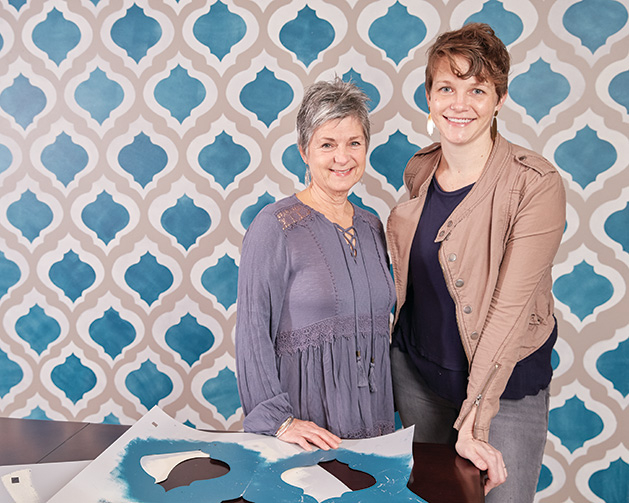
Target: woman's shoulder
285	213
529	159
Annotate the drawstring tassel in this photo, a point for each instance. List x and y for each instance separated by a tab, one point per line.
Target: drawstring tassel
372	376
362	377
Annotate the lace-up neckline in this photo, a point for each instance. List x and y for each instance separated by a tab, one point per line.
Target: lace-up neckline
350	238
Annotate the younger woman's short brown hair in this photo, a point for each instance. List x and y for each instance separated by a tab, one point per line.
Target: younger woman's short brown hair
477	43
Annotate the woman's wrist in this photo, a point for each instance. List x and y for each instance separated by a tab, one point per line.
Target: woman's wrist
284	426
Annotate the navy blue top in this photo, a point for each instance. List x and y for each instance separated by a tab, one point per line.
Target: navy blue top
427	329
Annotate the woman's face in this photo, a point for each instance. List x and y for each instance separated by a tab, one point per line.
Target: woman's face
462	110
337	154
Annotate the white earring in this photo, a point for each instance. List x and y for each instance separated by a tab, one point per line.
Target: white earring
430	125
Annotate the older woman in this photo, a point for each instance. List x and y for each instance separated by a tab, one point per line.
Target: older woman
315	292
472	252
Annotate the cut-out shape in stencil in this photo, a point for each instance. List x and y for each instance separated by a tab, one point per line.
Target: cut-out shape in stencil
195	469
256	464
336	479
354	479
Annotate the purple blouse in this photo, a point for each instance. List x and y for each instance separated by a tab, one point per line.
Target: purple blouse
312	330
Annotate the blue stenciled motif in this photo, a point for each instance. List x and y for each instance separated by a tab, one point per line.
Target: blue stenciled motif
616	227
545	479
292	161
255	478
419	97
507	25
37	413
219	29
73	378
142	159
249	213
360	203
111	419
149	384
221	280
222	392
266	96
224	159
397	32
149	278
56	36
539	89
594	21
136	32
99	95
613	364
10	373
29	215
390	158
72	275
307	35
23	101
619	89
189	338
574	424
186	221
112	332
369	89
64	158
6	158
38	329
9	274
611	484
105	217
583	290
585	156
17	3
180	93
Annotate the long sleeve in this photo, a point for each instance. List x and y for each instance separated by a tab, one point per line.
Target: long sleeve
263	275
524	276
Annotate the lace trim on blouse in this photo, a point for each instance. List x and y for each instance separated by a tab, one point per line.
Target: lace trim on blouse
326	331
377	430
291	216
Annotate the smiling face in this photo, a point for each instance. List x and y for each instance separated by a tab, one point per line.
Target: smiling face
462	109
336	155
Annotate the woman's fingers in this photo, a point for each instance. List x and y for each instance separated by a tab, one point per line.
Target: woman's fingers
485	457
307	433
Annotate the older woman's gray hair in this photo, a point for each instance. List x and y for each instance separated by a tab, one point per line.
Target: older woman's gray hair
325	101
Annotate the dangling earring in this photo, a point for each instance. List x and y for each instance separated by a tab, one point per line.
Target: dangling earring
430	125
494	127
307	176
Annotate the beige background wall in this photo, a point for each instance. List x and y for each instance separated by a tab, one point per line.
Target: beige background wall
138	140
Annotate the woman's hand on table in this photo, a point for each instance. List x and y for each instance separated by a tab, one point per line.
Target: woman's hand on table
482	454
306	434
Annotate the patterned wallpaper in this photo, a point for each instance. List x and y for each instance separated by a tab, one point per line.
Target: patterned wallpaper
139	139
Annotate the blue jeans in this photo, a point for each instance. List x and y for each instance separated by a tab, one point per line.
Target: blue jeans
518	431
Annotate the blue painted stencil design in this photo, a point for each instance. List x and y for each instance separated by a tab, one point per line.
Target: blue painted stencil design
256	478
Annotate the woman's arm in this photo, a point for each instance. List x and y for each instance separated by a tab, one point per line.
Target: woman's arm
262	281
524	272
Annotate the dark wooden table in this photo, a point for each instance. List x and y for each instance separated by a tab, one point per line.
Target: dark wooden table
439	475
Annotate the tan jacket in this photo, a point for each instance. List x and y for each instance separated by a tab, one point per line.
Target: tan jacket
496	254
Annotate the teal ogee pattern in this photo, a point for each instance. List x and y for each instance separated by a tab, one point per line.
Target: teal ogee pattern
138	139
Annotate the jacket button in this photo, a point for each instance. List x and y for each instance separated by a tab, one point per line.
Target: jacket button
452	257
459	283
467	309
522	158
474	335
441	234
449	223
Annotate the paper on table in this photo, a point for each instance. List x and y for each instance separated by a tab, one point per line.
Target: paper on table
257	464
45	479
